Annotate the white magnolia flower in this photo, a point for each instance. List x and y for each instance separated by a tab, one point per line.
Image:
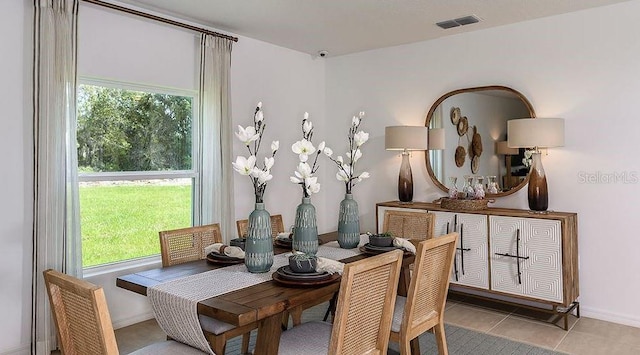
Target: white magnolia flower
268	163
355	156
243	165
342	176
360	138
311	185
247	135
294	180
259	116
275	145
355	121
307	126
260	104
339	160
321	146
363	175
306	115
262	175
361	114
303	148
328	152
303	171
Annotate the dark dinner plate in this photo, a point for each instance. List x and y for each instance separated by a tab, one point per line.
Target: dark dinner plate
283	243
287	270
223	259
295	276
277	277
379	250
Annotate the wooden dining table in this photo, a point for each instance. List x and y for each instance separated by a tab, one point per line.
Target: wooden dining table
263	303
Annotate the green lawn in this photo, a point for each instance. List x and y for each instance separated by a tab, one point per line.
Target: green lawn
121	222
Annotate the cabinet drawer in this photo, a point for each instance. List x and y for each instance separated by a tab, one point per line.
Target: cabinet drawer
526	257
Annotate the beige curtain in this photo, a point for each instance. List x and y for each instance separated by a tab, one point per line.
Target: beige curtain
56	229
216	172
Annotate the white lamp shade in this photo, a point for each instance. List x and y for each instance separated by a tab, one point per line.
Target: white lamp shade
535	132
406	138
436	139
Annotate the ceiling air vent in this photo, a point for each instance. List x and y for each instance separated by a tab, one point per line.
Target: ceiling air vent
466	20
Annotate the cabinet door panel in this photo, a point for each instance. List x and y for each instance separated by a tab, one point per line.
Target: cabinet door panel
471	263
541	245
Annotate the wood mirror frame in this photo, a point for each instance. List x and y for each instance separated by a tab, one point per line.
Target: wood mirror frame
488	143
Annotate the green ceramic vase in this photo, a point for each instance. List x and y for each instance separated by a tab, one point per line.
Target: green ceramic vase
305	230
348	223
259	245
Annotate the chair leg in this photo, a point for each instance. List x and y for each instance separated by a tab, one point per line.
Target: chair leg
441	339
405	346
245	343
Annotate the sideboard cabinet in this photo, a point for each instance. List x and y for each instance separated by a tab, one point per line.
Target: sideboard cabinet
510	255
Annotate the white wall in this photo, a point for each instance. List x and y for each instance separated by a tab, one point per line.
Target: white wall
16	175
581	66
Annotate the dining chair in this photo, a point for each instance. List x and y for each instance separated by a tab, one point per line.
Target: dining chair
187	244
423	308
363	315
83	322
277	226
409	225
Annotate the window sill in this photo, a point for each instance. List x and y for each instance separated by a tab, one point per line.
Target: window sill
150	262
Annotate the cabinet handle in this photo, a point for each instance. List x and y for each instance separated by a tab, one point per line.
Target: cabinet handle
455	262
517	256
462	248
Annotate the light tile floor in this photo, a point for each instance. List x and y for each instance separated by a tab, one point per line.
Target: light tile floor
586	336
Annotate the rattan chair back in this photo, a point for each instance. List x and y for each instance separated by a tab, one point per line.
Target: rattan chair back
81	315
365	305
277	226
187	244
409	225
427	295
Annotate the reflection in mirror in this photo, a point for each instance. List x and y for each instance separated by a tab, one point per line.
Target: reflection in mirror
475	121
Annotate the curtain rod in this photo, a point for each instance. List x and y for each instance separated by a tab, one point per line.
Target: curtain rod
160	19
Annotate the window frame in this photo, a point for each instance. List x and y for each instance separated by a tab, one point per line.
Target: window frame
194	174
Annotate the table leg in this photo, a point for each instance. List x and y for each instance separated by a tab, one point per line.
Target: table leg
405	279
269	332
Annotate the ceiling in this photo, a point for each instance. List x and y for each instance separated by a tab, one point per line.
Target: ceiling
348	26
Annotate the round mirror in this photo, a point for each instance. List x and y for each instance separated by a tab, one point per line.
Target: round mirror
474	122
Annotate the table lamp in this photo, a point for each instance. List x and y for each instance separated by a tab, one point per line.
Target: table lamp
406	138
503	149
536	133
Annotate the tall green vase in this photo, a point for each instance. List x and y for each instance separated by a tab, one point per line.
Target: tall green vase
259	246
348	223
305	230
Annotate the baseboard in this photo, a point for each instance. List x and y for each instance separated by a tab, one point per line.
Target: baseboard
121	323
23	350
608	316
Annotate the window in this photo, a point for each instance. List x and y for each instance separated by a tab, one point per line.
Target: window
136	168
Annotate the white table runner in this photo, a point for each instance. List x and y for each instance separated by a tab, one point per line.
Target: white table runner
175	302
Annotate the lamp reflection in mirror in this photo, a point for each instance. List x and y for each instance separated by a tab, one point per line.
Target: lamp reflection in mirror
536	133
406	138
503	149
